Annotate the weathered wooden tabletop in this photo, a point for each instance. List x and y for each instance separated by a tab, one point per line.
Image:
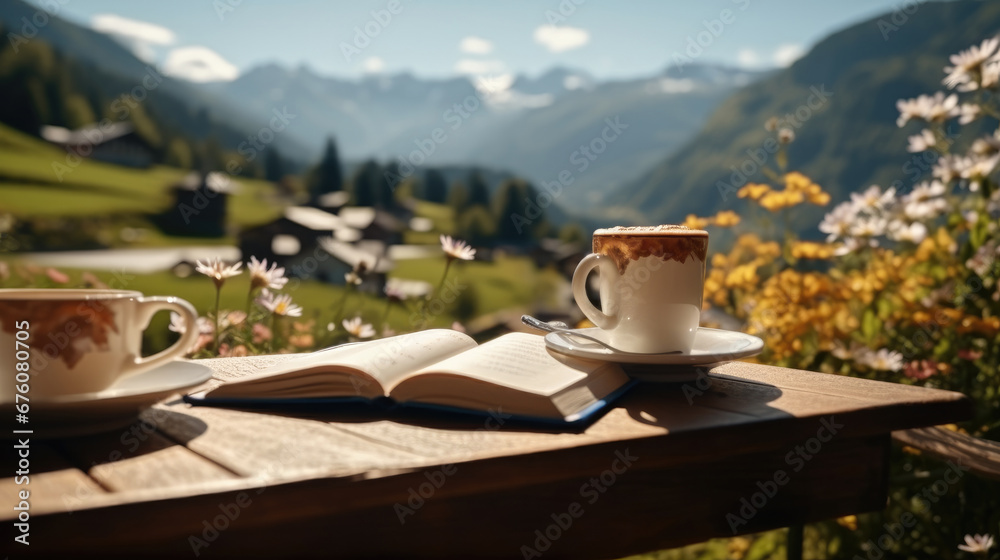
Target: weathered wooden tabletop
747	448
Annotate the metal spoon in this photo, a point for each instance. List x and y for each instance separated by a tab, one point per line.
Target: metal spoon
563	329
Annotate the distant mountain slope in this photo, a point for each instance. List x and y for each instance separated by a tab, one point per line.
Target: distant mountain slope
532	128
657	115
848	143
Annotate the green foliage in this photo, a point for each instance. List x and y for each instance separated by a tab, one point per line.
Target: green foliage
458	197
328	175
179	154
477	226
519	218
435	187
479	191
365	184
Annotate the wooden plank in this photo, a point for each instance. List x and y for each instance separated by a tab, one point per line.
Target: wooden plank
271	446
978	455
866	390
139	458
54	483
645	507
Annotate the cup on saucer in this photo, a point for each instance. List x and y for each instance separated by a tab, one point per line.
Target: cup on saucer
63	342
652	280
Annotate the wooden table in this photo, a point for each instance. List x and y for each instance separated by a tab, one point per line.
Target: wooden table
748	447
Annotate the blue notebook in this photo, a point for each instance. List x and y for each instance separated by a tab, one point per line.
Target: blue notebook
511	378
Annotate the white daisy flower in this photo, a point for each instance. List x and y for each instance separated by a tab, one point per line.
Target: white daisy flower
218	271
935	109
967	66
977	169
924	202
873	198
985	146
976	544
901	231
969	112
837	223
872	226
263	277
882	359
948	168
457	249
991	75
280	304
358	329
852	244
921	142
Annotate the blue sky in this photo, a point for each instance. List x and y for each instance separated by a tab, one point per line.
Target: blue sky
218	39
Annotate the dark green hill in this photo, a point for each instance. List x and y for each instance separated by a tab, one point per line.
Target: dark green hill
849	142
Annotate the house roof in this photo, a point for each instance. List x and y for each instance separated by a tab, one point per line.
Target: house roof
353	255
361	217
334	199
314	218
214	181
93	134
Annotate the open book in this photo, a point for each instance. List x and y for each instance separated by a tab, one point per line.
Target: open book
514	373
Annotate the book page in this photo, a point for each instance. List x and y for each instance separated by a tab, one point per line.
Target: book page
386	360
519	361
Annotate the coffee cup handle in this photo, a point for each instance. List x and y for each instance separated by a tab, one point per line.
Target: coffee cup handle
147	307
609	276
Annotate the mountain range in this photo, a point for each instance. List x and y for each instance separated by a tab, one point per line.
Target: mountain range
678	136
530	127
848	138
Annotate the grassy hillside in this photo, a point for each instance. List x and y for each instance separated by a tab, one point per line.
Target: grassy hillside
30	188
846	143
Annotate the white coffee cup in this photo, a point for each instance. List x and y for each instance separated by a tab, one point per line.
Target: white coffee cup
80	341
652	281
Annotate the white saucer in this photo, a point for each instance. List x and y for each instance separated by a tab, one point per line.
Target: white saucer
114	407
710	346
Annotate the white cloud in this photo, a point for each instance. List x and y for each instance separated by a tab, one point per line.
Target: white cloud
373	65
132	29
559	39
140	36
476	67
475	45
748	58
786	54
199	64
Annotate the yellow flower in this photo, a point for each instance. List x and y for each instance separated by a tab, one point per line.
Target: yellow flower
753	191
726	218
796	181
812	250
779	200
767	251
744	275
694	222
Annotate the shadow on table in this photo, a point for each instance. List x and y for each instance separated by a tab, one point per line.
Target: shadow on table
108	445
699	399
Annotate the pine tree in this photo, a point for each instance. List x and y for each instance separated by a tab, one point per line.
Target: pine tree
329	176
274	166
479	192
458	198
435	187
366	184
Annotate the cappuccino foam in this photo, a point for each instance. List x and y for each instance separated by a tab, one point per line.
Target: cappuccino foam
668	229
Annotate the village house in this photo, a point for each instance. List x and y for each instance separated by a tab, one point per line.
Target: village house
116	143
